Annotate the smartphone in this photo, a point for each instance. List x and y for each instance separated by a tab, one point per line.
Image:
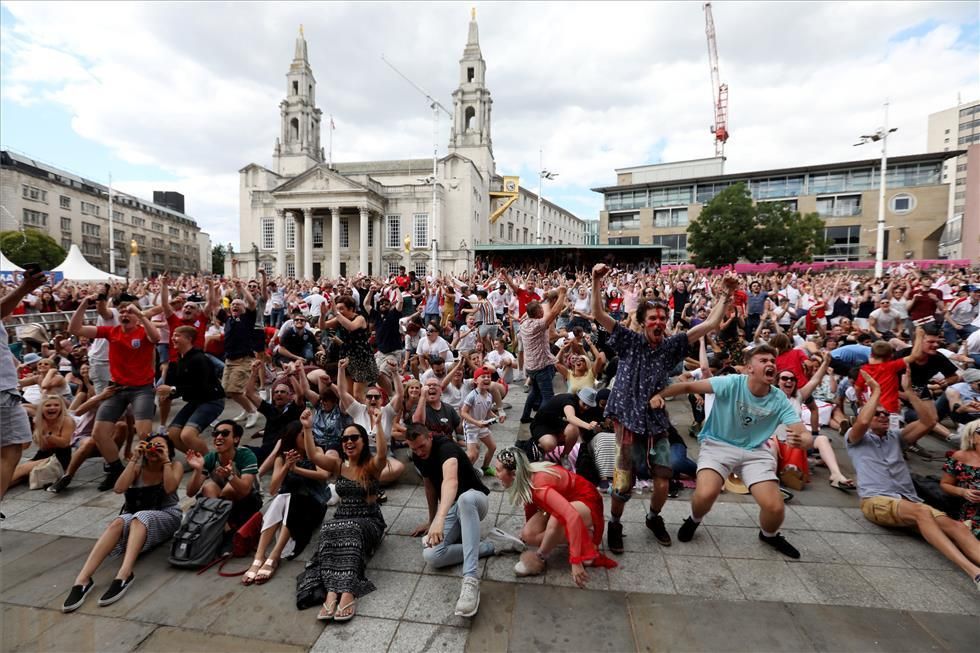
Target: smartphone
32	268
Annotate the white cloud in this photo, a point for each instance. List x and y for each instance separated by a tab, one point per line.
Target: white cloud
193	88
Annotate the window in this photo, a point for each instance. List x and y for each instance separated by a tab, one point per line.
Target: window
624	221
175	247
470	73
290	234
344	232
92	249
839	205
392	268
969	111
35	218
679	195
294	132
89	229
707	192
267	266
792	205
762	189
140	239
970	124
625	240
66	224
318	233
118	215
267	230
66	244
421	232
118	235
510	231
90	209
394	233
966	140
174	231
138	221
36	194
157	243
420	269
843	243
670	218
469	118
290	269
902	203
828	182
674	248
65	202
370	233
295	88
953	233
157	226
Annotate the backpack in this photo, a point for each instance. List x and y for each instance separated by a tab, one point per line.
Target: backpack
201	534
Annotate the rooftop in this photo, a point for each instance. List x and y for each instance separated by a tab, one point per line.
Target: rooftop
775	172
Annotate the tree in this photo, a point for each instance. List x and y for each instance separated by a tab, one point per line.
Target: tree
723	232
218	259
786	236
731	228
32	246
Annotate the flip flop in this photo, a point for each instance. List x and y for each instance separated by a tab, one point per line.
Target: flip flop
266	571
349	606
249	576
844	486
328	611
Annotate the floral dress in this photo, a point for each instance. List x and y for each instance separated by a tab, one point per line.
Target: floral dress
357	349
966	476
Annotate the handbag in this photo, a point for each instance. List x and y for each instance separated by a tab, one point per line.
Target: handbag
243	543
147	497
43	475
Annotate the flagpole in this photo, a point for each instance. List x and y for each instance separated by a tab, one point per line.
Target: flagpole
112	237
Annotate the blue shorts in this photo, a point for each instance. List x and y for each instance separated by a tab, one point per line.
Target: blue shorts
198	416
141	398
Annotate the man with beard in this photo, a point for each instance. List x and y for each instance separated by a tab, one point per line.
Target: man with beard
735	438
645	362
131	352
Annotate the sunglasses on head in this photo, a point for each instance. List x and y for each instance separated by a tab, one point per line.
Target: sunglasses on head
350	438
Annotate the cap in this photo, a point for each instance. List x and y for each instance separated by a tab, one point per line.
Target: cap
480	371
31	358
968	376
587	396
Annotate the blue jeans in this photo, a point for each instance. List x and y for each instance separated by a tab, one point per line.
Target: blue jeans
542	389
680	463
277	316
219	365
955	335
461	535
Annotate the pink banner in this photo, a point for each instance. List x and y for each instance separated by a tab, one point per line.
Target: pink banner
822	266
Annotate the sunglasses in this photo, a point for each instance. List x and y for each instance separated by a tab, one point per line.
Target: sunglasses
224	433
373	396
787	378
881	413
349	438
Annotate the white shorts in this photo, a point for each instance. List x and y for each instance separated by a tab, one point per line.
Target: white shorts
752	465
473	437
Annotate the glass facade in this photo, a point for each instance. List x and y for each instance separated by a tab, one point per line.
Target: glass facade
670	218
763	189
843	243
625	240
675	248
624	221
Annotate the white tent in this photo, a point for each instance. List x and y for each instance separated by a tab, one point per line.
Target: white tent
76	268
6	265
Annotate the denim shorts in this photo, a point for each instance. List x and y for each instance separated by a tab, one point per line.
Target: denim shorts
198	416
140	397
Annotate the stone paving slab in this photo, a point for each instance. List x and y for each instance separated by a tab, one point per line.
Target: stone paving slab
176	640
546	620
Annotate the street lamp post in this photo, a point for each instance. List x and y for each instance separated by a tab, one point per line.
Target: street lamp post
542	174
880	135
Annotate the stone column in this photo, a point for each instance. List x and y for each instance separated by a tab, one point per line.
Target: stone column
378	244
363	242
297	244
335	243
307	244
281	242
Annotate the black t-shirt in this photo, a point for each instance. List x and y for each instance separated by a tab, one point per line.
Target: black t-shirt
444	421
239	334
923	372
276	420
442	450
553	410
294	341
387	337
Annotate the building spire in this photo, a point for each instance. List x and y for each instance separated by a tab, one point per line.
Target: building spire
473	38
300	54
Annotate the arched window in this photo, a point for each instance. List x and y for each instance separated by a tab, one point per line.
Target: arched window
294	129
469	118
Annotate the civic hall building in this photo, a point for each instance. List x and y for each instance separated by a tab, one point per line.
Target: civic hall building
308	218
654	204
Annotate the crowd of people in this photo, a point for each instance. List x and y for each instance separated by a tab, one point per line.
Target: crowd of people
333	377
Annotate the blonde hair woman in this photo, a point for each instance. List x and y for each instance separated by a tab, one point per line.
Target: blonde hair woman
559	506
961	476
53	427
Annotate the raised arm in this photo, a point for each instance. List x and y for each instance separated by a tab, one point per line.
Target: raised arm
346	399
867	413
329	464
807	390
723	299
77	326
29	283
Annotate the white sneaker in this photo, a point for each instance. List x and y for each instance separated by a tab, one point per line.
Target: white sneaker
252	419
240	416
504	542
469	598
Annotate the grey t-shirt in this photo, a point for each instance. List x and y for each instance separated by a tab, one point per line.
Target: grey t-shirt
881	470
885	321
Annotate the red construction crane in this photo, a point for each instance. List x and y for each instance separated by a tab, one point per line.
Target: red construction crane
719	91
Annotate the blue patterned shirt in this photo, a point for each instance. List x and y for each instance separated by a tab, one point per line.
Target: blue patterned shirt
643	371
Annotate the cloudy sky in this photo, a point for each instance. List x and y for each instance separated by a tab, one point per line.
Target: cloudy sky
180	96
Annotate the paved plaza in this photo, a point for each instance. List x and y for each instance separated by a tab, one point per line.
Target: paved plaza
856	587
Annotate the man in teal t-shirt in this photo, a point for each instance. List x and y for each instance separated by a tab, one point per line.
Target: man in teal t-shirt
229	472
735	438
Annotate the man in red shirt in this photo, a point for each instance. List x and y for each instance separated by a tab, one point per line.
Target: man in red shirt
190	314
132	347
925	301
524	297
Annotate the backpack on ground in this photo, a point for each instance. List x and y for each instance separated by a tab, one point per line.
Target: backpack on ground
201	534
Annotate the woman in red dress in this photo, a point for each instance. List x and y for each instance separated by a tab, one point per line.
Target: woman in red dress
559	506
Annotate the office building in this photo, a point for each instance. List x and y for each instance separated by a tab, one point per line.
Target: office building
956	128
